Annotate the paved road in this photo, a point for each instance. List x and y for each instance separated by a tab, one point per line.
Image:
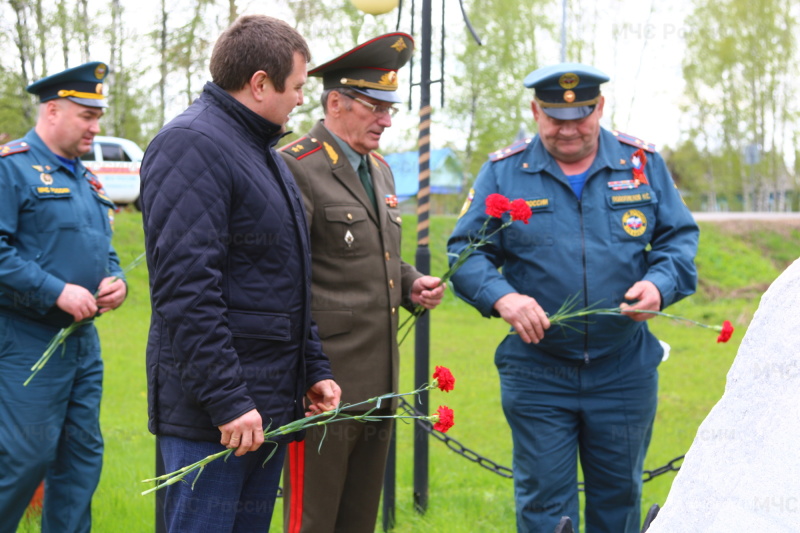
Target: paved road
729	215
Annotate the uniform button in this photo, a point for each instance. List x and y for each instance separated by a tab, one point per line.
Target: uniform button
391	284
387	256
349	216
394	310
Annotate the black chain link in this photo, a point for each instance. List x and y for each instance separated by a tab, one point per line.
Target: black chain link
504	471
454	445
669	467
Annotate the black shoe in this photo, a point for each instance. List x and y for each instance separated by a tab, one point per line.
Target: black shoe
651	515
564	525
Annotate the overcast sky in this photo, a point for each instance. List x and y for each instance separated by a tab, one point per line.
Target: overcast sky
638	43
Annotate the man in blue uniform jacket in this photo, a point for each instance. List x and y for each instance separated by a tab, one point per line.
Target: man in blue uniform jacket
55	254
610	228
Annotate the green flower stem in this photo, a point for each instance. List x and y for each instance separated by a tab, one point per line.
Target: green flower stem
58	340
460	260
61	337
568	312
321	419
618	311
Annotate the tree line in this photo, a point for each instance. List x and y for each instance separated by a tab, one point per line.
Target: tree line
737	148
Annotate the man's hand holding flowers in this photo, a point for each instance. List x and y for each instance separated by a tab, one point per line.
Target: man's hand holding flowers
323	396
647	298
525	315
110	294
427	291
238	434
244	434
77	301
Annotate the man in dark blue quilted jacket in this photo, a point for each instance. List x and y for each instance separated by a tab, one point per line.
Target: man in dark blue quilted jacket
232	348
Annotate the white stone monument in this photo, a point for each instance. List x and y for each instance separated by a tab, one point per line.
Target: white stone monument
742	472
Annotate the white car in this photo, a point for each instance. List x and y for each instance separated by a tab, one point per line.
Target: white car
116	162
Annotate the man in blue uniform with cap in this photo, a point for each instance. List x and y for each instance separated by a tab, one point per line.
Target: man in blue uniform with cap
57	266
610	229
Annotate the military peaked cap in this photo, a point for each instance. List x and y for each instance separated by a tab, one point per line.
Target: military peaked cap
567	91
369	68
83	85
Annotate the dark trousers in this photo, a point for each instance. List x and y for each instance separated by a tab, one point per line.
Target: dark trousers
602	412
336	487
49	429
237	495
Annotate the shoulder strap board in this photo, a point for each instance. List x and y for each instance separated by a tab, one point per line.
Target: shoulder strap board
14	147
633	141
379	157
510	150
302	147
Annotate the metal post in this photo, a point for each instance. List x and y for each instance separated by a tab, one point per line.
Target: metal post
423	262
389	483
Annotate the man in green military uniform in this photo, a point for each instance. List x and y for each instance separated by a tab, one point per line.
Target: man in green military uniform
55	254
358	283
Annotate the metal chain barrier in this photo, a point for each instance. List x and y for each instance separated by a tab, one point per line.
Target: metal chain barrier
454	445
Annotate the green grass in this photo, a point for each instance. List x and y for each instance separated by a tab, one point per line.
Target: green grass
463	497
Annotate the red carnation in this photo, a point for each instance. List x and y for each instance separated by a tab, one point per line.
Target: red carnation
520	210
496	205
727	331
445	419
445	380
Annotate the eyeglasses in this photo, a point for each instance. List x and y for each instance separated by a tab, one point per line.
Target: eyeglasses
379	110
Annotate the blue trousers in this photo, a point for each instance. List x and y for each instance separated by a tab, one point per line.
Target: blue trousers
602	412
49	429
237	495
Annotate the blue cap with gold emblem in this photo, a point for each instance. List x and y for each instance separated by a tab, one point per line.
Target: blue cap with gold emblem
83	85
567	91
370	68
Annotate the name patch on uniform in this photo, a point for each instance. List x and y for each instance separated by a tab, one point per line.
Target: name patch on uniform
631	198
53	192
538	203
634	223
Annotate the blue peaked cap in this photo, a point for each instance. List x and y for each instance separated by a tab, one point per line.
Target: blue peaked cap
566	91
82	84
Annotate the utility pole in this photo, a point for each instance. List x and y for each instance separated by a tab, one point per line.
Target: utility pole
423	263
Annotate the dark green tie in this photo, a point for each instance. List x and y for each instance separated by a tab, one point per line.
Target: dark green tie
366	181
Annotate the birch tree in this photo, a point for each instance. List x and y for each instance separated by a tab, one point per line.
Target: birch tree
489	100
740	72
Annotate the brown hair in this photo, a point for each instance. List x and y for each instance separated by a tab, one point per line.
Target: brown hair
253	43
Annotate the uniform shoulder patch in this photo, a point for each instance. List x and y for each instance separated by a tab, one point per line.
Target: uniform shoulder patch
515	148
379	157
14	147
302	147
633	141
